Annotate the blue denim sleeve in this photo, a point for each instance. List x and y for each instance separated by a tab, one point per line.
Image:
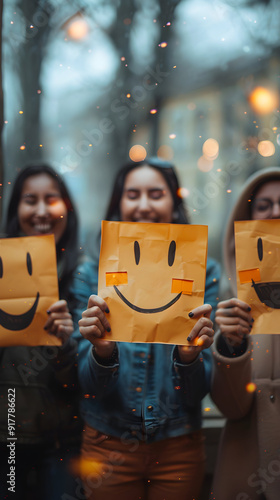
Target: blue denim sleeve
92	375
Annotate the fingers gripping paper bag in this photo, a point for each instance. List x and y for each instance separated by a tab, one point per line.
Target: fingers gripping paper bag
28	286
152	276
257	246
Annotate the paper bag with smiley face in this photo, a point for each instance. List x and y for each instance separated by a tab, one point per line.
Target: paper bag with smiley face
258	271
152	276
29	285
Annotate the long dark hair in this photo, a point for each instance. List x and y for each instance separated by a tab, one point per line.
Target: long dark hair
167	170
67	246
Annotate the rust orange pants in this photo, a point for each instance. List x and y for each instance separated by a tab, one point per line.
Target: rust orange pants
171	469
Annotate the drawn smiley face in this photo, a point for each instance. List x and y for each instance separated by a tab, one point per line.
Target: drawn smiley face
185	284
268	292
16	322
28	286
151	275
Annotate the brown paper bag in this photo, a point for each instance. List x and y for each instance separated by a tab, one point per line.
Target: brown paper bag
258	271
152	276
28	287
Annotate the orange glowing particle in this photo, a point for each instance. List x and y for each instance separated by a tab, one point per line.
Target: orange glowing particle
137	153
204	164
85	467
228	190
207	409
266	148
21	112
183	192
122	58
263	100
128	96
22	148
251	387
153	111
163	45
172	136
78	29
210	149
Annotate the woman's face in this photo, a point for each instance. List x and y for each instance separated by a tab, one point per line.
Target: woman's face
266	203
146	197
41	209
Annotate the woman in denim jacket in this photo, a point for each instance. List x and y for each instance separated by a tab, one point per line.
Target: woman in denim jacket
142	401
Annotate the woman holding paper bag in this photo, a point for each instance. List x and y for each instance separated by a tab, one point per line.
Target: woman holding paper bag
246	382
142	403
48	426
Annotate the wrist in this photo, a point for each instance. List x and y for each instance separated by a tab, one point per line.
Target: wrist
187	354
107	357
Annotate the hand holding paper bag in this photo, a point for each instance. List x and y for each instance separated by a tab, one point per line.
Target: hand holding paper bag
94	325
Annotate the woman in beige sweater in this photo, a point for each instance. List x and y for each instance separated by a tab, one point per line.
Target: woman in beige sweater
248	464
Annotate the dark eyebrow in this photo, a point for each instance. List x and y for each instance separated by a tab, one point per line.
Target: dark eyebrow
264	199
48	195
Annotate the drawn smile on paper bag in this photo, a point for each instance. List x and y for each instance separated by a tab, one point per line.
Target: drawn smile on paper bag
179	286
16	322
268	292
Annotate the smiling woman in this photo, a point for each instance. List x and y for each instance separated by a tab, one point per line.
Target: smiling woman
142	400
246	378
48	425
41	209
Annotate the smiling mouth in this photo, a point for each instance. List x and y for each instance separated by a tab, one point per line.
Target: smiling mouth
146	311
16	322
43	228
268	293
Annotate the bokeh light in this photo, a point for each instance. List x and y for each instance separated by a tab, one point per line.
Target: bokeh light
263	100
183	192
204	164
166	152
78	29
251	387
266	148
84	467
137	153
210	149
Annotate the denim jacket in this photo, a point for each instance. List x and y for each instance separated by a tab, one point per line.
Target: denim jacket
147	393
